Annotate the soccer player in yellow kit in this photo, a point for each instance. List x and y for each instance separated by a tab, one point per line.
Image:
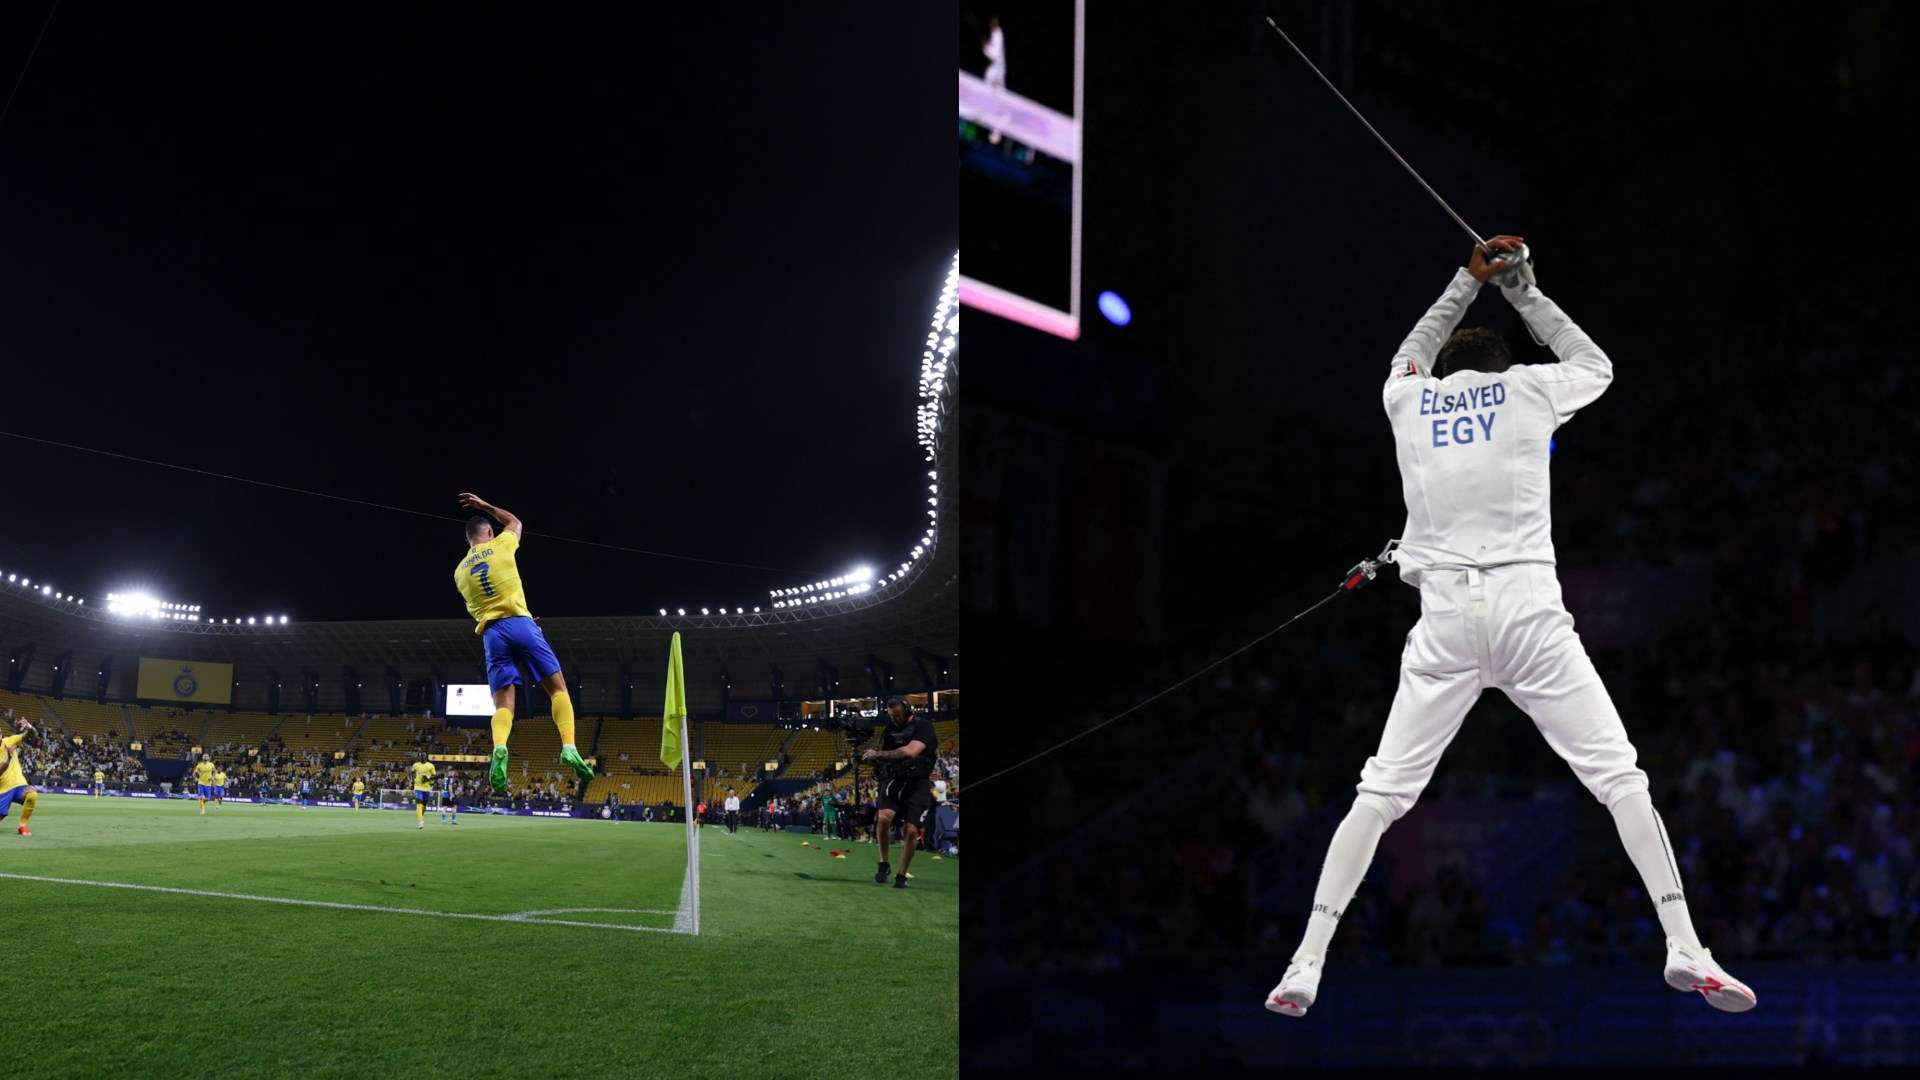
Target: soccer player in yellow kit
359	789
422	771
99	783
488	578
219	788
203	776
13	782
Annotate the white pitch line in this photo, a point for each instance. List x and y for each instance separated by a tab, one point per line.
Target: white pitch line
513	918
523	916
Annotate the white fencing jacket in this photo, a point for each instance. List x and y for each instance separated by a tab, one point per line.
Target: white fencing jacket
1473	447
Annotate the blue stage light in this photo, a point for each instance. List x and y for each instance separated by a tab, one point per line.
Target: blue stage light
1115	309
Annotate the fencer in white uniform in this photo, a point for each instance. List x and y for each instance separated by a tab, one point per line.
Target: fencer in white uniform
995	51
1471	431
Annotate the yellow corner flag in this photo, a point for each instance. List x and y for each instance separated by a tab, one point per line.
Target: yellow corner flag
676	710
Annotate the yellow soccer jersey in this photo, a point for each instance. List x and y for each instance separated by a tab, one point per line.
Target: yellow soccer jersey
422	775
99	777
10	775
203	772
359	788
489	581
220	779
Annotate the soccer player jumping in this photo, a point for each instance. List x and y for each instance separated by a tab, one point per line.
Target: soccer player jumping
489	580
13	782
1472	432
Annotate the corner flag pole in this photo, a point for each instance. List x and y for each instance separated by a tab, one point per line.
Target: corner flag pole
674	744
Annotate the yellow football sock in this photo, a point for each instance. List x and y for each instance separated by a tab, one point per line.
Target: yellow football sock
420	811
563	717
502	726
26	806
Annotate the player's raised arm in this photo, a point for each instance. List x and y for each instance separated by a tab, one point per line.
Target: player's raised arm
506	518
1584	371
1416	354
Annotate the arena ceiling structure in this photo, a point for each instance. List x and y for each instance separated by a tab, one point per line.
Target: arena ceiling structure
874	631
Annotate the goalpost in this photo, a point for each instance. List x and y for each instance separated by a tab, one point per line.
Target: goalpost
396	798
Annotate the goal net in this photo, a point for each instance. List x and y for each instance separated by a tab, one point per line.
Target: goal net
400	799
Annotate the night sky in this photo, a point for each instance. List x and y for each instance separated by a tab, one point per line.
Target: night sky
658	284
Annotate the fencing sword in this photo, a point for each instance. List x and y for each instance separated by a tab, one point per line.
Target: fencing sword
1516	259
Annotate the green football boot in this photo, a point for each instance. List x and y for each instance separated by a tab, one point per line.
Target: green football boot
580	768
497	772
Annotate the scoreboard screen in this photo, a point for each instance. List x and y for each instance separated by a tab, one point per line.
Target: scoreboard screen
1021	66
469	699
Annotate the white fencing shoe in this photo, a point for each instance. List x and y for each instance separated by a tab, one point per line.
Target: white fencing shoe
1688	970
1297	989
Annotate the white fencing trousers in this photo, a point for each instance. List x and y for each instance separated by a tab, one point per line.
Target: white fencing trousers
1506	627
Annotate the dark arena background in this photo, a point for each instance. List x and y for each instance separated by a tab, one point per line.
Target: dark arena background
678	289
1718	195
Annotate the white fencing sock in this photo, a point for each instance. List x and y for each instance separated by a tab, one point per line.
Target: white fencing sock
1347	860
1645	836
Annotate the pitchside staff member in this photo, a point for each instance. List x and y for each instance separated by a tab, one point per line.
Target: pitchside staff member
905	783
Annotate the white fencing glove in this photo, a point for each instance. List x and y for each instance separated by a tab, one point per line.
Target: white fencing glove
1519	271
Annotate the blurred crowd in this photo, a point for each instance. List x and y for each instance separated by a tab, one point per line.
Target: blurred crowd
1773	707
52	759
271	769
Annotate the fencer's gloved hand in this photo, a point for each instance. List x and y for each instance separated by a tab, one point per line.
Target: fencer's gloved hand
1518	272
1482	263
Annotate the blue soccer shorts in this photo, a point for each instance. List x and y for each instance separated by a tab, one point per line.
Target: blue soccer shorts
509	641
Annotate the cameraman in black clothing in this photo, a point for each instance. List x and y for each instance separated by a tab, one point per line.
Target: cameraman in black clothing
906	786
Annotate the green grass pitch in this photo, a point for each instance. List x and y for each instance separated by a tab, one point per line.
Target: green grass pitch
802	966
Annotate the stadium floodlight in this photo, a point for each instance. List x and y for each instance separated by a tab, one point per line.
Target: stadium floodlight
682	611
283	620
10	577
27	581
249	620
703	611
193	618
756	610
861	573
83	600
663	611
